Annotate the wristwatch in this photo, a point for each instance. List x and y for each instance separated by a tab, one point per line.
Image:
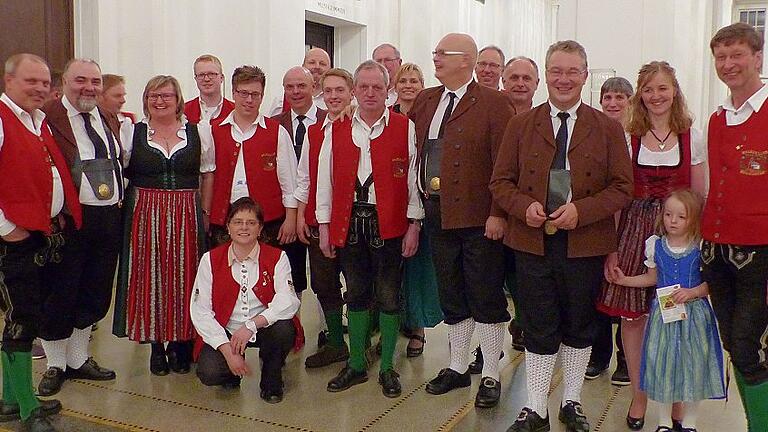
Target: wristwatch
251	325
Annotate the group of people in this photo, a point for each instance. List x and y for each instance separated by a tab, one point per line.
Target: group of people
210	209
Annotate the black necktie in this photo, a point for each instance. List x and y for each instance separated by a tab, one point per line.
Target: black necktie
446	114
301	130
98	143
562	141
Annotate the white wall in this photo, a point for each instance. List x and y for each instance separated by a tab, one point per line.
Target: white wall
143	38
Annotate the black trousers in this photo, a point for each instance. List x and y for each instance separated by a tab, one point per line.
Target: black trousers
602	348
557	296
77	291
324	275
738	279
274	344
470	271
20	291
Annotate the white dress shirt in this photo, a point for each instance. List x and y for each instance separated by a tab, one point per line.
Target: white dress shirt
87	151
209	112
736	116
302	172
276	107
391	97
362	134
437	118
283	306
207	152
34	124
286	161
671	156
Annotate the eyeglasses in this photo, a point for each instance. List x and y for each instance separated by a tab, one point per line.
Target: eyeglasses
203	75
166	97
483	65
250	223
443	53
246	94
570	73
388	60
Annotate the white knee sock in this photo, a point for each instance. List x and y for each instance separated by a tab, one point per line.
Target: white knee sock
321	315
77	350
459	336
56	353
491	341
691	412
574	362
665	413
539	368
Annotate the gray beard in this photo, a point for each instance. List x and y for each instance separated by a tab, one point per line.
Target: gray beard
86	105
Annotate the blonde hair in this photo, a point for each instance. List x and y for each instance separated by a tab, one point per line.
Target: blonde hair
338	72
693	207
639	123
409	67
161	81
110	80
208	58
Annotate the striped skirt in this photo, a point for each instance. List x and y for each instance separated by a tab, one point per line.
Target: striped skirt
683	360
636	224
161	250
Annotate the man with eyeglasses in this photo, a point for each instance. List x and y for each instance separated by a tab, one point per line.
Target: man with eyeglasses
316	61
459	127
562	172
388	56
210	106
36	191
490	62
81	284
520	79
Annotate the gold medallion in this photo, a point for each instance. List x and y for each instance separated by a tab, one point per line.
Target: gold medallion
550	228
104	190
434	183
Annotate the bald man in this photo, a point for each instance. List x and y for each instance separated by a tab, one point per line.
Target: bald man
317	62
459	127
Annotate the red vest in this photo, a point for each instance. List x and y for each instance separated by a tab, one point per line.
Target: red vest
389	160
736	211
26	184
260	158
659	181
225	289
193	114
315	135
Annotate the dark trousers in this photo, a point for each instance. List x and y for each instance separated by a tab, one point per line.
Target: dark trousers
324	275
78	290
371	265
274	344
557	296
470	271
20	296
602	348
738	279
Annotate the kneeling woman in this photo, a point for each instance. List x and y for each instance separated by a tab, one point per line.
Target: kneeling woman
244	297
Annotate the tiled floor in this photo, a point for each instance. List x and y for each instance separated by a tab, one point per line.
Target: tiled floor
138	401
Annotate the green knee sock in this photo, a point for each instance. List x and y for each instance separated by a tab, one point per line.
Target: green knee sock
335	328
755	403
20	377
8	396
389	326
358	333
740	385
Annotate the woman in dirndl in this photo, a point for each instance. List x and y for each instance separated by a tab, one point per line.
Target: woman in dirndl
169	164
667	154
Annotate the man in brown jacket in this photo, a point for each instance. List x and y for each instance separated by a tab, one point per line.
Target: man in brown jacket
459	126
560	191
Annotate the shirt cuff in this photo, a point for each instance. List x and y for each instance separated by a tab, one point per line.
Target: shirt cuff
289	201
323	216
415	212
217	341
269	316
6	226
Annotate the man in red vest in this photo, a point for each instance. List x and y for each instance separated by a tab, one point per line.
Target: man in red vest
243	297
368	208
210	106
37	199
324	271
735	219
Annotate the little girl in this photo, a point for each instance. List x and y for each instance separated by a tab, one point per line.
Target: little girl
682	360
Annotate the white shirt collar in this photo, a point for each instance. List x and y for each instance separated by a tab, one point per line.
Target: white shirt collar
203	105
383	119
311	114
459	92
554	111
38	115
74	112
253	255
755	101
258	122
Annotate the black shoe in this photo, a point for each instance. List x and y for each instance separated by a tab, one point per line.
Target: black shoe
158	364
488	394
518	341
322	338
529	421
231	385
572	415
594	370
447	380
477	366
90	370
415	352
178	360
272	396
620	377
682	429
327	355
10	411
51	383
664	429
346	379
677	426
37	422
635	423
390	384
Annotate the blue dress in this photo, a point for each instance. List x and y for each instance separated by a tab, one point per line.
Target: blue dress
682	360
